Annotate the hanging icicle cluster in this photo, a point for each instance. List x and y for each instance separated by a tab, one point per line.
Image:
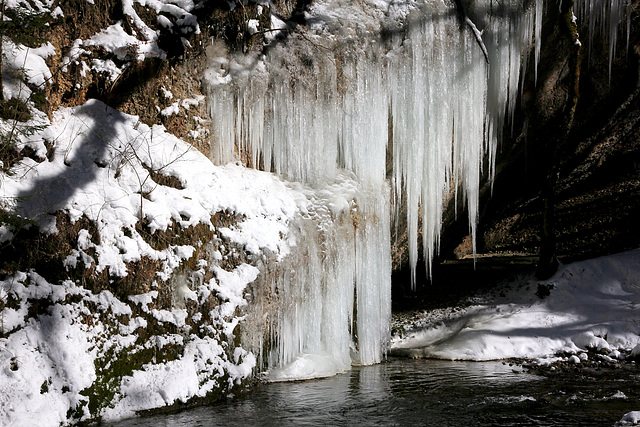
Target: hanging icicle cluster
327	304
415	106
603	17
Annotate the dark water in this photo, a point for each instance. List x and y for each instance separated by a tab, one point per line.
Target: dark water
426	392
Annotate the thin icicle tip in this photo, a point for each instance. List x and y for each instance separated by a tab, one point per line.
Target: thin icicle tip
603	17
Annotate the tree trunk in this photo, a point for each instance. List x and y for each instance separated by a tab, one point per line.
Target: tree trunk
1	51
548	262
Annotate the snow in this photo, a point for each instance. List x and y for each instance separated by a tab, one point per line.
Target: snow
252	26
55	351
574	359
94	133
166	92
276	24
171	109
108	67
593	305
192	102
97	173
57	13
630	418
6	233
114	39
164	21
144	299
142	44
123	46
31	61
46	362
232	284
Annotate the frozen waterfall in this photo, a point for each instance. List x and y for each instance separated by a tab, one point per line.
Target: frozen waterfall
380	109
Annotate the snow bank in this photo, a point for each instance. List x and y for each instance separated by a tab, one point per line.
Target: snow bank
593	305
630	418
51	364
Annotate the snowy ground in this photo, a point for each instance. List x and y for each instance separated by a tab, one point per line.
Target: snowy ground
592	305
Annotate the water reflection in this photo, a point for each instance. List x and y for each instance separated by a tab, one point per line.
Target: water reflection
421	392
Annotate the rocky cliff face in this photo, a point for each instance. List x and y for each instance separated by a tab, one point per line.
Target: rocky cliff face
148	58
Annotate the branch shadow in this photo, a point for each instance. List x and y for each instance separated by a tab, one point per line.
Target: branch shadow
83	154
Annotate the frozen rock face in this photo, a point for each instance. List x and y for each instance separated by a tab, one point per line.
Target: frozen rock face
411	98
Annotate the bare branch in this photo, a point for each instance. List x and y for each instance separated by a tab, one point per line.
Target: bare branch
478	35
464	18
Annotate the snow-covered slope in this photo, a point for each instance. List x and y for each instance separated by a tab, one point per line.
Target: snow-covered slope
70	350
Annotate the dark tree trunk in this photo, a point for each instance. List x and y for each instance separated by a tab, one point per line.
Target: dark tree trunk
548	262
1	51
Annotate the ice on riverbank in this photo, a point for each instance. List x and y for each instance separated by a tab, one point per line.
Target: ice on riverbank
592	304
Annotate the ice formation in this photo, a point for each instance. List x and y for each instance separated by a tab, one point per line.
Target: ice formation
330	297
603	17
402	100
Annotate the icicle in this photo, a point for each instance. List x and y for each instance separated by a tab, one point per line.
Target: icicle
603	17
322	106
538	36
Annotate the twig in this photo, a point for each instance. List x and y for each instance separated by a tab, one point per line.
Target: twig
478	35
462	14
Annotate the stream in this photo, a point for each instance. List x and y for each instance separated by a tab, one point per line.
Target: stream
428	392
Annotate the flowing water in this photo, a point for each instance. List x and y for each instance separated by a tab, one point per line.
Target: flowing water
427	392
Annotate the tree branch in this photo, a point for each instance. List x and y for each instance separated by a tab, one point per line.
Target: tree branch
478	35
464	19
